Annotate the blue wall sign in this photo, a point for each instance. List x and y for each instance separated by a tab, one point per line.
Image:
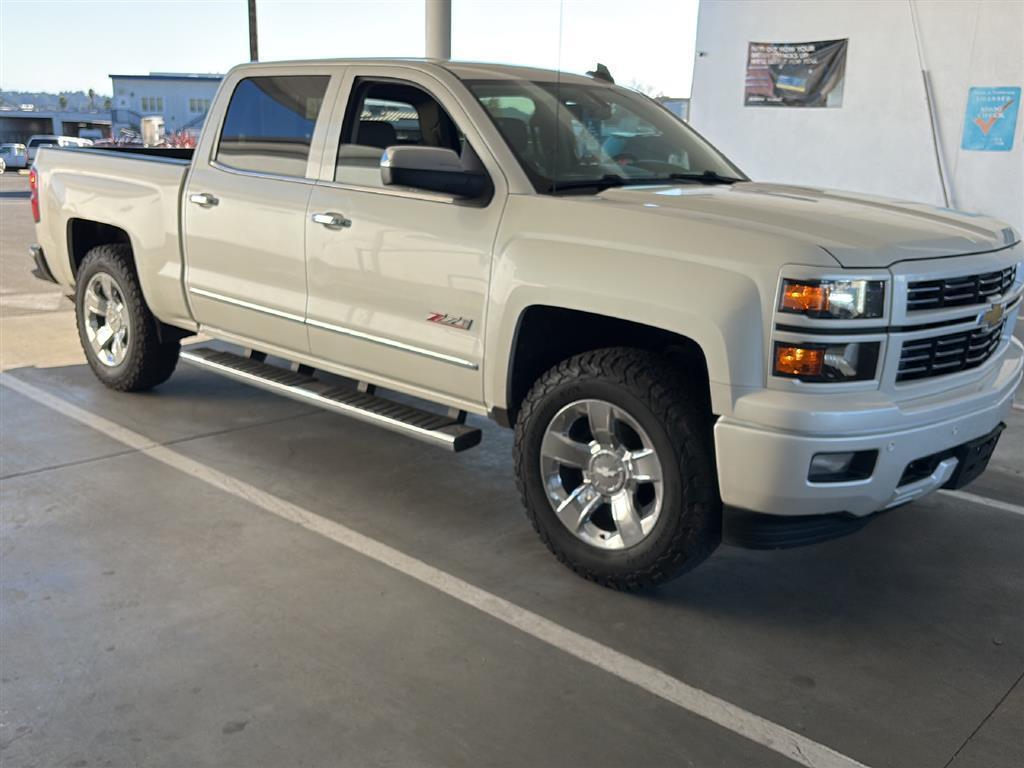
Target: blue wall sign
991	119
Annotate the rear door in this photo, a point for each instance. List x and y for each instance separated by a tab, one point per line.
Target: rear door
245	205
398	294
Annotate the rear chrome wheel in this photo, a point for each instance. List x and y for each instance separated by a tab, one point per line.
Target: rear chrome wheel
120	337
107	320
602	474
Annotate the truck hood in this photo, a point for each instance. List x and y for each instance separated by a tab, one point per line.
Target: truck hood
859	231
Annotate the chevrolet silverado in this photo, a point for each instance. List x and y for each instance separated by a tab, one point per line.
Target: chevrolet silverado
668	338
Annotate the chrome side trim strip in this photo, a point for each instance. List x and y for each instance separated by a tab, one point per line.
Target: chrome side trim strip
260	174
246	305
394	344
412	194
450	359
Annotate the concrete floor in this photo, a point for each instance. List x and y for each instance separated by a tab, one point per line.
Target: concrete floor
151	619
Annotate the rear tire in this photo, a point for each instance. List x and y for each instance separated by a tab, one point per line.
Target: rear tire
118	333
655	413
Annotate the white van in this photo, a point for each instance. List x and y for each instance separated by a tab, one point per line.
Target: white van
14	156
45	140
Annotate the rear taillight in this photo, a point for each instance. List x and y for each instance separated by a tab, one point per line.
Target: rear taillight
33	189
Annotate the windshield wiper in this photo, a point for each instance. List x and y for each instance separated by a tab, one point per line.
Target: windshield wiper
606	181
707	177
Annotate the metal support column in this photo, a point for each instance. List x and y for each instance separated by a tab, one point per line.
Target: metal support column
439	29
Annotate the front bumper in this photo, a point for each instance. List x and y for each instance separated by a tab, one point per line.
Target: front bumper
764	469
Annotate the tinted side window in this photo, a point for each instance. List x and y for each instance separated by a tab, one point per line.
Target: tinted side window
269	123
386	114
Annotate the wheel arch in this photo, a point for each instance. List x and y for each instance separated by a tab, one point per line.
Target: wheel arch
85	234
545	335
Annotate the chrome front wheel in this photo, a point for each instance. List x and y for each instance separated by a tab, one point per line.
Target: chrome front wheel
107	319
602	474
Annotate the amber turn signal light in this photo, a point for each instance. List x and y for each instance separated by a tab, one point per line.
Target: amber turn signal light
798	361
802	297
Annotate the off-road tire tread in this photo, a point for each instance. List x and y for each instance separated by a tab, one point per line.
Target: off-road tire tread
661	382
150	362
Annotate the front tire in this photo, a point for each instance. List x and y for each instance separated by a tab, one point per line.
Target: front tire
615	465
119	334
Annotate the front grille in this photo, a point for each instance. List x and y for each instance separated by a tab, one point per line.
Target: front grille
959	291
951	353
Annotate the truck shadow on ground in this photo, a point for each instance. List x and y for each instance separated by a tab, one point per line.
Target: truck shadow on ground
938	562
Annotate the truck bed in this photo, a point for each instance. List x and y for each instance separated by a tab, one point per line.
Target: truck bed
134	190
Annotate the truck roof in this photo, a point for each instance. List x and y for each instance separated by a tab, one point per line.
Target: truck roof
465	70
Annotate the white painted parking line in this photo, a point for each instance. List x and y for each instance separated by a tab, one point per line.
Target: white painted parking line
1018	406
757	729
1004	506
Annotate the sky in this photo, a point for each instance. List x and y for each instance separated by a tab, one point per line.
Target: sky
71	45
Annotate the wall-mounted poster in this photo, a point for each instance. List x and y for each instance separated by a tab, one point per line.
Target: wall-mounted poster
795	74
991	119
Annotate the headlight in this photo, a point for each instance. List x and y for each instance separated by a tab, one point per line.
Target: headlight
837	299
826	362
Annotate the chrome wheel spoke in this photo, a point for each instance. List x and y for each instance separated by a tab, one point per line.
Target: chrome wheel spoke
103	337
577	507
117	345
646	467
106	285
564	450
95	304
627	519
601	420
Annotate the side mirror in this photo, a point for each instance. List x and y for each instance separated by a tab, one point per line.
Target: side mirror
434	169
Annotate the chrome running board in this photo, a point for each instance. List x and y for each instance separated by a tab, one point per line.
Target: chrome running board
440	430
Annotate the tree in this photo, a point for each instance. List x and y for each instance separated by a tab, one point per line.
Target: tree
92	98
63	101
646	89
107	103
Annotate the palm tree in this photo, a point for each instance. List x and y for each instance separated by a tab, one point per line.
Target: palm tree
63	101
92	97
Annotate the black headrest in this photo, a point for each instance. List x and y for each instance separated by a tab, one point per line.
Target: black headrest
376	133
514	132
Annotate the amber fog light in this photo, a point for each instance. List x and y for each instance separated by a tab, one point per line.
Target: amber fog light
799	361
826	362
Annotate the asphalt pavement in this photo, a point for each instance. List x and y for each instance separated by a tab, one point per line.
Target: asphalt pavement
206	574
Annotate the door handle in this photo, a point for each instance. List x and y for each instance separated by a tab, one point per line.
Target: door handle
331	220
205	199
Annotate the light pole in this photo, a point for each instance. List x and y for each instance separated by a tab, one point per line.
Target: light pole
439	29
254	53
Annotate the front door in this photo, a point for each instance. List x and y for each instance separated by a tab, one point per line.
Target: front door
245	209
398	278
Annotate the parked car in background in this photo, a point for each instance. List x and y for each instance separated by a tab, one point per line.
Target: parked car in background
45	140
3	165
667	337
15	156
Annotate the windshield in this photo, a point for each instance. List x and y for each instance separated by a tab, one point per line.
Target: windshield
603	136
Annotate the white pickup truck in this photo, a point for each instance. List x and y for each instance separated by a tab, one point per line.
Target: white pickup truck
668	338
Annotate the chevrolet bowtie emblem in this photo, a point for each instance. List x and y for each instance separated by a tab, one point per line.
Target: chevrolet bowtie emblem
992	316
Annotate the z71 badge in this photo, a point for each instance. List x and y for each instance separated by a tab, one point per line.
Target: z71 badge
452	321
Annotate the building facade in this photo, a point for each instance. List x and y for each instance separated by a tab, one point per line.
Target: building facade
17	125
887	137
182	100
